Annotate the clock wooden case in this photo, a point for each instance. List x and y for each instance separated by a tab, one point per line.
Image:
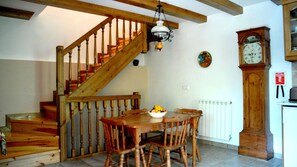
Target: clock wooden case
254	60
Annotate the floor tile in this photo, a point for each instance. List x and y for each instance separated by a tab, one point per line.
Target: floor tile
212	156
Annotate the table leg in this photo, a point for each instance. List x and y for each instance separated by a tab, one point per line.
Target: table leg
194	141
137	139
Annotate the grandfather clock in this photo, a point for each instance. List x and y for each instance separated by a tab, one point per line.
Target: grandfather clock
254	58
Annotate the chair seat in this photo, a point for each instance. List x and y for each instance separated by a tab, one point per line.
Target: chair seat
128	148
159	142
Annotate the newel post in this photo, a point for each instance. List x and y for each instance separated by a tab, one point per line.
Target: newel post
61	106
60	70
144	37
62	127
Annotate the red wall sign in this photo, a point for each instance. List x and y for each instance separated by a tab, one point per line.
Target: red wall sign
280	78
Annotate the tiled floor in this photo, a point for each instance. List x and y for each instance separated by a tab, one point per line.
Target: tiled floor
212	156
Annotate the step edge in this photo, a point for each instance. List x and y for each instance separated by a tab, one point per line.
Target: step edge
5	160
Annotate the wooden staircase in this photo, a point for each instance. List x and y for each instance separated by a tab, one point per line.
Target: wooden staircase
33	138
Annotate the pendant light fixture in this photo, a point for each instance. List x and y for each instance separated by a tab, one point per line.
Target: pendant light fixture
160	32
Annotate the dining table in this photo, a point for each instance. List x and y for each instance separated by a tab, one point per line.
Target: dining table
144	123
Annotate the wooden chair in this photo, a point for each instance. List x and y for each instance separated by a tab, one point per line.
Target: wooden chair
116	142
192	112
176	129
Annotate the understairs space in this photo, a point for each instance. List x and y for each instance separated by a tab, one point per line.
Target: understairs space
211	156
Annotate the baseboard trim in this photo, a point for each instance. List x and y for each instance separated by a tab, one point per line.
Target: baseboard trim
229	146
217	144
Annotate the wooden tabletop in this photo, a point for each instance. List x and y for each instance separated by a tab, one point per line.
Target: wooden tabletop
135	121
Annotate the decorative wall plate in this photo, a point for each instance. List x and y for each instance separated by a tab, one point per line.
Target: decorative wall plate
204	59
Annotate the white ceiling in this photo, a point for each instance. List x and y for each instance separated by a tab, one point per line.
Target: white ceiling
192	5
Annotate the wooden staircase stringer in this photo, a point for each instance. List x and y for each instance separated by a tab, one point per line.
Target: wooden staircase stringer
110	69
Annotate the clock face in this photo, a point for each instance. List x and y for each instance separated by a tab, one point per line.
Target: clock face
252	53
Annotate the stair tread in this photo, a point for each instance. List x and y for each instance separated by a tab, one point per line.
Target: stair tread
32	118
14	155
21	143
5	129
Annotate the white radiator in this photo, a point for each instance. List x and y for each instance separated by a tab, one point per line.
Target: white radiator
216	122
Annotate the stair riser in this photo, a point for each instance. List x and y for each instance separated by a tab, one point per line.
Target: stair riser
121	41
49	110
49	142
51	115
42	129
105	59
34	160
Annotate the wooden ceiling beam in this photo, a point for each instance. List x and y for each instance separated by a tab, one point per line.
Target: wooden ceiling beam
224	5
99	10
278	2
15	13
283	2
168	9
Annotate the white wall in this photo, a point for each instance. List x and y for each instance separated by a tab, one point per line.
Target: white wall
176	67
37	38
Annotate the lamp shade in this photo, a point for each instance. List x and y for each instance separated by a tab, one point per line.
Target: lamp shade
160	31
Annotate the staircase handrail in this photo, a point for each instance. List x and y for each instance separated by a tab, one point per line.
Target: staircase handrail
87	35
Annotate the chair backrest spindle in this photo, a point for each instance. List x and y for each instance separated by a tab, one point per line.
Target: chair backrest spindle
177	129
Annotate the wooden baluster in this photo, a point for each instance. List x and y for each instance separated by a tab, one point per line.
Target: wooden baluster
112	108
130	30
136	104
81	123
78	65
110	40
104	107
119	107
87	58
102	46
89	106
126	104
136	28
70	71
132	104
124	37
95	51
117	34
71	108
97	106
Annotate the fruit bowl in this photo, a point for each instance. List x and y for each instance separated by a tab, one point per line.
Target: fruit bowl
157	114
